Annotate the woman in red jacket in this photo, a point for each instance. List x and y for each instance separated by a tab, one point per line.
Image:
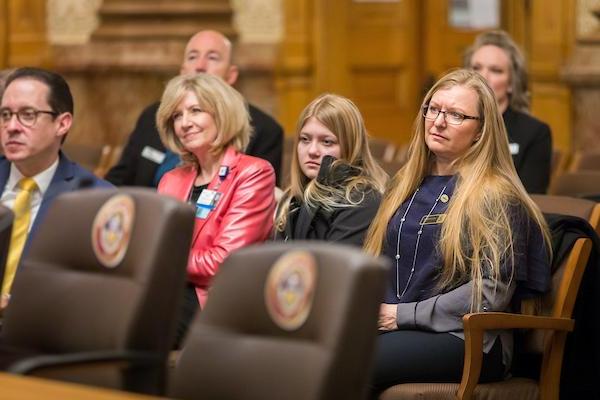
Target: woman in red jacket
206	122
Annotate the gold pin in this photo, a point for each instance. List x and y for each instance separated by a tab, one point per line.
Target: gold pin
444	198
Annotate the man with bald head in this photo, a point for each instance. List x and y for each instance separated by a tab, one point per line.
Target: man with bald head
145	158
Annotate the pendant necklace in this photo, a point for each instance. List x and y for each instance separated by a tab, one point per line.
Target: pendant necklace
419	233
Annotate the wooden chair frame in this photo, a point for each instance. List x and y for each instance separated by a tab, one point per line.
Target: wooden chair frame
559	323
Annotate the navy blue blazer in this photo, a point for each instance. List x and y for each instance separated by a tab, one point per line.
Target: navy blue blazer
69	176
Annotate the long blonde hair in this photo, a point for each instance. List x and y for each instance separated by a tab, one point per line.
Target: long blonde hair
476	236
341	116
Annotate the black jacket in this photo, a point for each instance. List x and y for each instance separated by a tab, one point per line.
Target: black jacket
138	165
344	224
531	148
581	362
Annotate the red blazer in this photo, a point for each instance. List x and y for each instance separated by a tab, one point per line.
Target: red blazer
243	215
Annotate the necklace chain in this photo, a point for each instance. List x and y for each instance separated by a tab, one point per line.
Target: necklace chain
419	233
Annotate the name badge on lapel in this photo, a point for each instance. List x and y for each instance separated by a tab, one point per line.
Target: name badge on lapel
207	201
150	153
433	219
514	148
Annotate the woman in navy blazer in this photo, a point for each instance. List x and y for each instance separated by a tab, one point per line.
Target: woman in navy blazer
206	122
498	59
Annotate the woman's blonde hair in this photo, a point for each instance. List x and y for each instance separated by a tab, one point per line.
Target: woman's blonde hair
226	105
519	94
341	116
476	236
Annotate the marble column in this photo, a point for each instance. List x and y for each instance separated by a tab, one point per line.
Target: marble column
582	74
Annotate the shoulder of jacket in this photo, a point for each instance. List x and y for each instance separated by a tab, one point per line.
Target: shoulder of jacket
251	164
179	172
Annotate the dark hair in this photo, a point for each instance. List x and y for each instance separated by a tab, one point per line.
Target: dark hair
59	98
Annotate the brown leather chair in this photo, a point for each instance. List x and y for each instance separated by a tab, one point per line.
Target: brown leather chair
576	184
402	154
382	149
240	346
585	161
391	167
94	158
81	313
582	208
286	161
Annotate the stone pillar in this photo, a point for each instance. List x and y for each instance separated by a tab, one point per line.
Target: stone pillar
582	74
137	47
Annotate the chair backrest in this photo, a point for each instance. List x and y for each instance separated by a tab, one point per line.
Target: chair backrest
382	149
391	167
582	208
576	184
6	223
558	162
92	157
285	321
566	278
402	154
286	161
585	161
105	271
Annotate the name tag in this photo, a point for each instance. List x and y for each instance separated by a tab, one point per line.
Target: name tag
207	201
514	148
150	153
433	219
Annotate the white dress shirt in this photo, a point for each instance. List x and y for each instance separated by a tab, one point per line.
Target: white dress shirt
42	180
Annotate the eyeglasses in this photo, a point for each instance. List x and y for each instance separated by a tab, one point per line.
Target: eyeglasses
452	117
26	116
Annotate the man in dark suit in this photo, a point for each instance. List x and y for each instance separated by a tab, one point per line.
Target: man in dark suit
36	114
206	52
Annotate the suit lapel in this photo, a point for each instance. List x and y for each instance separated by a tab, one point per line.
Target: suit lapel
61	182
230	160
4	173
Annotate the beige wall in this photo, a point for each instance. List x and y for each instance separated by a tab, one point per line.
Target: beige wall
586	22
73	21
258	21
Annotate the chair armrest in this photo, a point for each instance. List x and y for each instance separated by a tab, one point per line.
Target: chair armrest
475	324
91	358
500	320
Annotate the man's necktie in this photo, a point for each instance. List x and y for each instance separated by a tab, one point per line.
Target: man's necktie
22	211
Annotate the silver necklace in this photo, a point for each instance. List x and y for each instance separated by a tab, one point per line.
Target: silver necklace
419	233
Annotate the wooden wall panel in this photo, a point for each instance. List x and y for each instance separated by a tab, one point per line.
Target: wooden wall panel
551	102
444	44
294	80
550	39
26	30
3	34
370	52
